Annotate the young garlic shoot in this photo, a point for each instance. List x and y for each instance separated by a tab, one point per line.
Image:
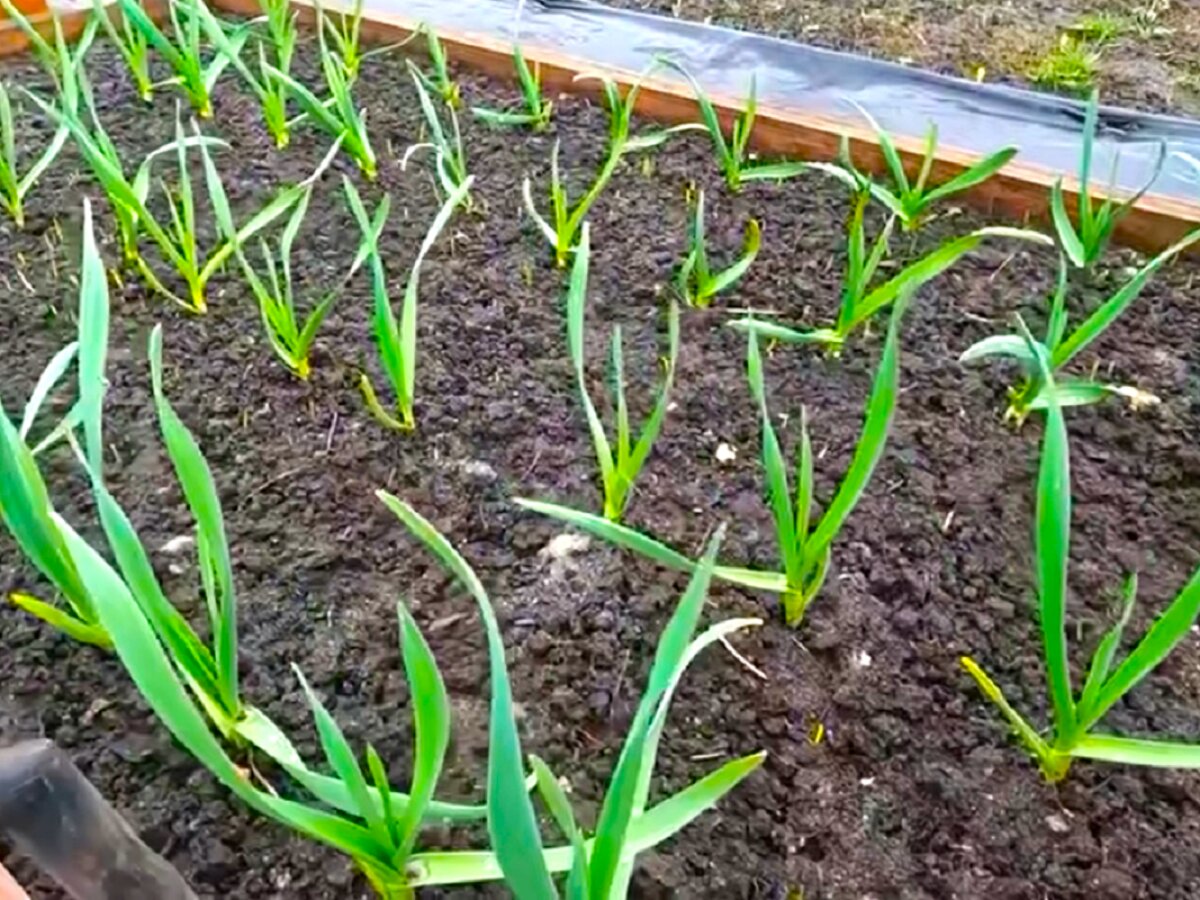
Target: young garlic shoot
804	541
280	24
344	33
1074	717
180	246
567	218
620	461
861	299
15	185
911	200
440	82
603	867
183	48
445	144
25	505
379	827
1085	240
734	158
178	676
537	112
175	239
67	67
338	117
395	340
696	280
290	337
271	92
127	197
1060	348
133	45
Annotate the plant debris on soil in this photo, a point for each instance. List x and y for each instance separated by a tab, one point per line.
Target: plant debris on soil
889	775
1148	50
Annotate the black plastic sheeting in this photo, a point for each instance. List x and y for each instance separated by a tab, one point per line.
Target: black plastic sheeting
977	118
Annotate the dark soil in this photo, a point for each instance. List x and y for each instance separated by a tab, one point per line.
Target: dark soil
915	790
1151	61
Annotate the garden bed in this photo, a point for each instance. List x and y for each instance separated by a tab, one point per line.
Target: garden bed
914	789
1147	52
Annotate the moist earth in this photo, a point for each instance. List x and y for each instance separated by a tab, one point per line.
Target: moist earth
888	774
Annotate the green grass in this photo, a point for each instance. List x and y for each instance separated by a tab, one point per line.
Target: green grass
1071	66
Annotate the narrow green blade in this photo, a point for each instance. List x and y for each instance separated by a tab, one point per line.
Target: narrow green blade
1111	309
1138	752
343	762
1162	637
576	300
1011	345
782	333
727	278
431	726
1067	237
1024	731
774	469
512	822
933	264
47	381
621	800
199	489
1052	541
625	537
26	510
408	311
559	806
1106	652
778	171
881	406
612	532
654	422
976	174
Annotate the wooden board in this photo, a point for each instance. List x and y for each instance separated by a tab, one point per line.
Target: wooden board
14	40
1020	192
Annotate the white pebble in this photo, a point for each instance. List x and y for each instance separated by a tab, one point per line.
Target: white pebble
563	545
177	544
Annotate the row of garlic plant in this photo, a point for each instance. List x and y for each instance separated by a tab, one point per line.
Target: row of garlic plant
117	602
382	839
864	295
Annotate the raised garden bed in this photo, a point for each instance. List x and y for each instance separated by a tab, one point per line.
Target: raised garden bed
912	790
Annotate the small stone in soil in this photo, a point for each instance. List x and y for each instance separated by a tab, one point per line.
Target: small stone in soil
1057	824
479	472
563	545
